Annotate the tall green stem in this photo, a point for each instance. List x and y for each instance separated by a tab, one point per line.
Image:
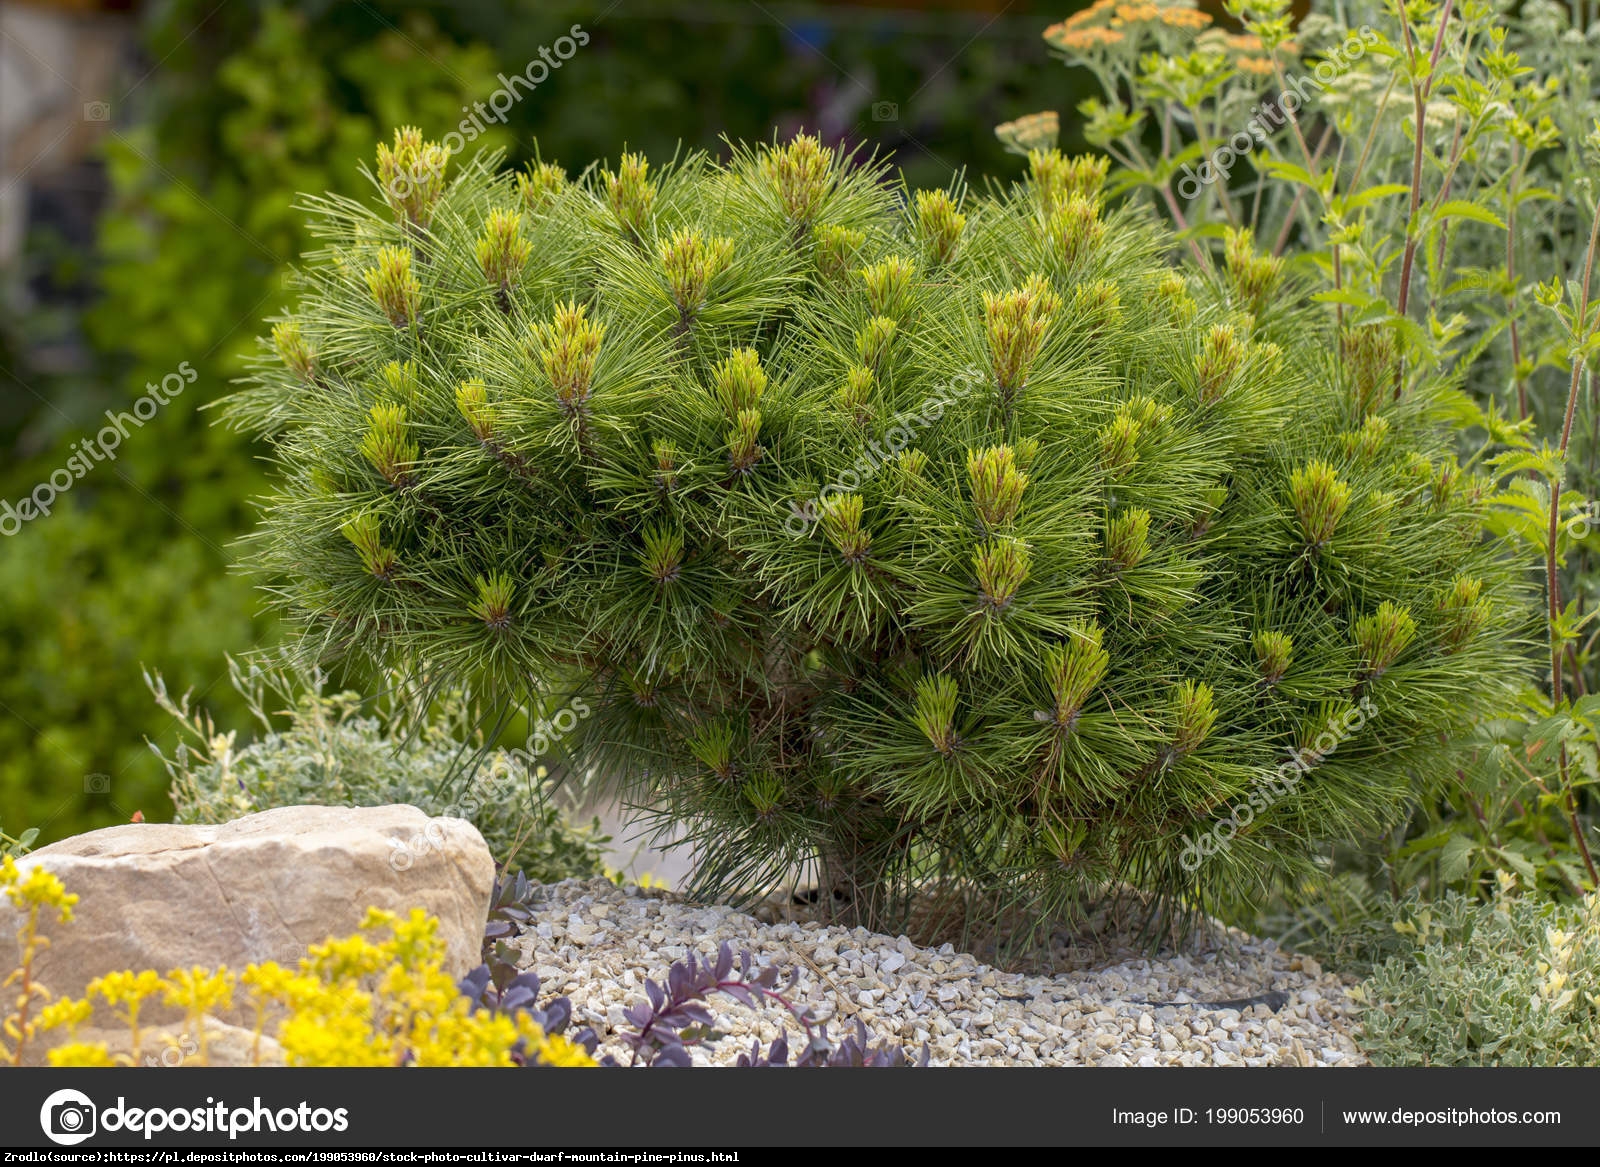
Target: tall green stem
1552	580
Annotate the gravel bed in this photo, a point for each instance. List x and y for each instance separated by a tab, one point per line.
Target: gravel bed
596	943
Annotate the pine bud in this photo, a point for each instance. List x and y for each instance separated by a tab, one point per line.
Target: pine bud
743	450
1211	500
503	253
493	604
1002	568
765	796
939	225
1221	357
1383	636
1365	442
1464	611
912	463
293	350
802	175
1150	414
889	288
663	554
1062	841
1119	441
874	341
935	712
1274	652
1073	670
1418	472
472	401
631	194
836	250
1173	291
738	382
1016	323
569	346
1444	483
855	396
666	456
400	381
1097	306
365	533
1057	178
1320	500
387	445
1026	451
394	288
1074	230
1252	276
541	186
1193	714
691	262
1371	361
1128	538
412	175
841	523
712	745
997	485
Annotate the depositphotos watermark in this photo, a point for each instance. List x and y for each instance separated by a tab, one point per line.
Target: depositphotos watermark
100	448
68	1117
1281	784
468	130
804	515
1273	116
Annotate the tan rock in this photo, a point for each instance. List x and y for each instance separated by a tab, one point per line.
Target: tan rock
158	896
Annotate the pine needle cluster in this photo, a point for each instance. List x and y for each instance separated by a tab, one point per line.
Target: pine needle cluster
924	540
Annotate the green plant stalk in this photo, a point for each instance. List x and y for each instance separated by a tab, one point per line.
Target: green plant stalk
1419	97
1511	276
1552	581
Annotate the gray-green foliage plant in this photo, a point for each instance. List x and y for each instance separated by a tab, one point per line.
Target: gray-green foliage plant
928	540
1512	983
338	750
18	845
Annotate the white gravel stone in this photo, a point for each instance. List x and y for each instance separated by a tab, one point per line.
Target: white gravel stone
597	943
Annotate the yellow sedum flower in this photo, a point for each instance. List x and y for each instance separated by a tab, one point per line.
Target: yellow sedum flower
378	998
93	1055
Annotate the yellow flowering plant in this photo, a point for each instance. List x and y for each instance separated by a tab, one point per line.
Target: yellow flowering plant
33	895
379	997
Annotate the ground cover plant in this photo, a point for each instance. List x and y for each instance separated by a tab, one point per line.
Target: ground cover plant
338	749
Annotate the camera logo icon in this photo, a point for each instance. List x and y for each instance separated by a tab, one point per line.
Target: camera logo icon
96	111
885	111
97	784
68	1117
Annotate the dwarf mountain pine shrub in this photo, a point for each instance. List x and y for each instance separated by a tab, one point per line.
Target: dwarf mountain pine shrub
924	538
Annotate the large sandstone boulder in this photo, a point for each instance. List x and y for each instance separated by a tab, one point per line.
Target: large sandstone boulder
155	896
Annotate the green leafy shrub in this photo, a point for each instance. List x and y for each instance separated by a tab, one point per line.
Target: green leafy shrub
912	536
1431	168
1513	983
330	754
